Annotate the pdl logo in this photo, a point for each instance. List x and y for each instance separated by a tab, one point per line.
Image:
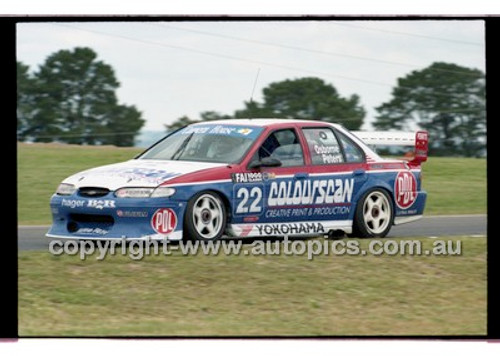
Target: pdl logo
164	221
405	187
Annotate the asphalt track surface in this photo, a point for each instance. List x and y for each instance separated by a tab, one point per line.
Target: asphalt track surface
33	237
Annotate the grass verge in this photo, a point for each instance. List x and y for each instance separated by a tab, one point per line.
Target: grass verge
41	167
454	185
255	295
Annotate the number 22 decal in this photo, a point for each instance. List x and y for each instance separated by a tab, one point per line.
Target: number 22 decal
255	194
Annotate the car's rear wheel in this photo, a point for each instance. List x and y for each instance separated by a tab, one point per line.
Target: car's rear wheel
205	217
374	214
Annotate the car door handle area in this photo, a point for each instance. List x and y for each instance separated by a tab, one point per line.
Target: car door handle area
301	175
358	172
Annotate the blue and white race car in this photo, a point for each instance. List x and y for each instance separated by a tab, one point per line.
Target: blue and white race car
247	178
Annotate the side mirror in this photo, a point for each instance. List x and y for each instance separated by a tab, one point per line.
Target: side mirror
265	162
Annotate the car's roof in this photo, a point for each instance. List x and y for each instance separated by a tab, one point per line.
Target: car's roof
263	122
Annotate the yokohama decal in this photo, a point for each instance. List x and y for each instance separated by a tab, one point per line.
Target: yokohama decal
164	221
405	189
291	228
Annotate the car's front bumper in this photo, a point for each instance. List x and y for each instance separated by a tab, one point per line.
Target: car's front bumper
108	217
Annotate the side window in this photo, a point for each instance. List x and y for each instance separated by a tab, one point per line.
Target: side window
283	145
323	146
351	151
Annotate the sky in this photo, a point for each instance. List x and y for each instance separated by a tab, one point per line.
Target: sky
171	69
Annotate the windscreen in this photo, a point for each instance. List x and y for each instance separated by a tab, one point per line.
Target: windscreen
206	143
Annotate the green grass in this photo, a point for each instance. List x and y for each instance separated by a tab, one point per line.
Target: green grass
249	295
40	169
454	185
254	295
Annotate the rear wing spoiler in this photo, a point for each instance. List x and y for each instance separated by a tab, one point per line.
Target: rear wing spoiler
419	140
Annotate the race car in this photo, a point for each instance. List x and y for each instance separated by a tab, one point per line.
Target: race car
247	178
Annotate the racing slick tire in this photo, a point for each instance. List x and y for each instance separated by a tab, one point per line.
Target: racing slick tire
205	217
374	214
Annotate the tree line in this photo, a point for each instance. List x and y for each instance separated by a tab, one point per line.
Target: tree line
71	98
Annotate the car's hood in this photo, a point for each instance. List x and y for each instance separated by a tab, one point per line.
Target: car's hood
136	173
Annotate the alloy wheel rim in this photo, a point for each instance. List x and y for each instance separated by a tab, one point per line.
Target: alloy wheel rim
207	216
376	212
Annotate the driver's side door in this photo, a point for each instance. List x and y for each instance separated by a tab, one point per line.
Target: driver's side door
262	194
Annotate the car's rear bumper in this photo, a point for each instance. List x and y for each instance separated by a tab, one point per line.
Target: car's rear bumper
412	213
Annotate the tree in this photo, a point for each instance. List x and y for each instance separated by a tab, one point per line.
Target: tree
180	122
447	100
25	104
76	102
128	121
306	98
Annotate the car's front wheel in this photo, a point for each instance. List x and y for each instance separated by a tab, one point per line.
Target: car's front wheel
374	214
205	217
